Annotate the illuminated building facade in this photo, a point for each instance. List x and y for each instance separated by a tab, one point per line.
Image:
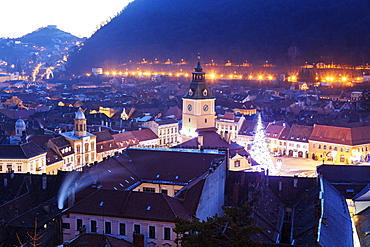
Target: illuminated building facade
198	105
340	145
77	147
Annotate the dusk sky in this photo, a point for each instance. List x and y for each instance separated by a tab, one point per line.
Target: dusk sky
78	17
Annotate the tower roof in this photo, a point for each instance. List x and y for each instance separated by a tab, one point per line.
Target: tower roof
80	115
20	124
198	88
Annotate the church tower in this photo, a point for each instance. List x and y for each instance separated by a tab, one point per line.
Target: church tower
198	105
20	127
80	123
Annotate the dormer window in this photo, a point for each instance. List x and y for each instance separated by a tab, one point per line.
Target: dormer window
205	93
190	92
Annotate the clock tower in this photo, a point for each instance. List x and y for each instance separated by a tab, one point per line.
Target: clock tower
198	105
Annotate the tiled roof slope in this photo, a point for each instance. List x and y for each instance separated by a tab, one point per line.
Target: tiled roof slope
341	135
21	151
335	219
171	165
131	204
299	133
144	134
103	136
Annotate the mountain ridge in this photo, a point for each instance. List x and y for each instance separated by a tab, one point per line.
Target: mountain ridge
239	30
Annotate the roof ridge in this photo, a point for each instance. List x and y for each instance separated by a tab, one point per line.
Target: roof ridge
170	201
126	201
83	199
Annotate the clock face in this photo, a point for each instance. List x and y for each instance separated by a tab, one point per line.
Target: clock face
205	108
190	107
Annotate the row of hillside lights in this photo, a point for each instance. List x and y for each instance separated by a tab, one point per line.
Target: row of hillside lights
326	79
209	76
332	79
139	73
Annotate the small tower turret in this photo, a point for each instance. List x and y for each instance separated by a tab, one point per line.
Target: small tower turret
20	128
80	123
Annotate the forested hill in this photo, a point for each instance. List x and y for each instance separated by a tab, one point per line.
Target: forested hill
48	36
239	30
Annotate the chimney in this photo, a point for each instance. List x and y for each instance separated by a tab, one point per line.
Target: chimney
138	239
200	141
23	137
306	194
280	185
44	181
227	137
235	197
5	182
12	174
29	177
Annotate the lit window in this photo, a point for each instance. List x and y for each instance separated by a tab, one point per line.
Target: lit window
237	163
148	189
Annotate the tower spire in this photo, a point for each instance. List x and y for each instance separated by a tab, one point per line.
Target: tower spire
198	67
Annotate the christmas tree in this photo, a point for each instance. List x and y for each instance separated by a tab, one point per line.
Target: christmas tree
259	151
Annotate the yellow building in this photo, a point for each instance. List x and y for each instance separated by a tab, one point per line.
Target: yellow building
77	147
167	131
22	158
342	145
228	125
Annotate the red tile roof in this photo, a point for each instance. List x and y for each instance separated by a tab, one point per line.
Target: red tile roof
341	135
144	134
103	136
299	133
